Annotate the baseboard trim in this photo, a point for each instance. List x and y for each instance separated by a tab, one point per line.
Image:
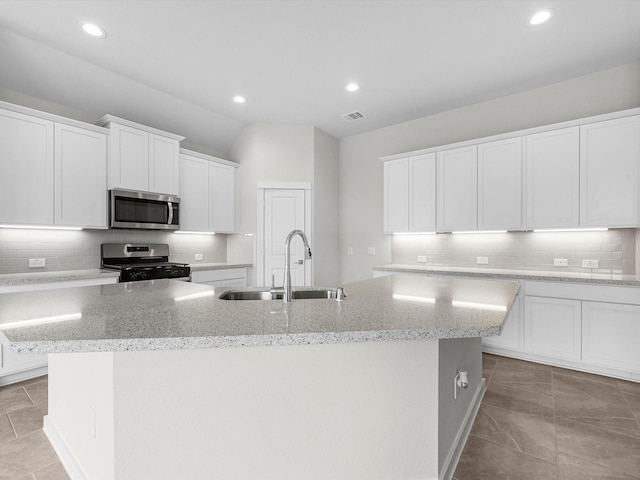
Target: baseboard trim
451	461
67	459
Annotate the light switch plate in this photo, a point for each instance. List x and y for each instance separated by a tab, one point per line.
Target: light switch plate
589	263
349	250
482	260
37	262
199	256
560	262
371	250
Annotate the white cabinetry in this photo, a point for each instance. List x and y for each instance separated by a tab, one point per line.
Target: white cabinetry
552	327
500	185
223	277
610	334
552	172
410	194
51	173
509	337
80	177
457	189
142	158
208	193
26	169
610	173
15	367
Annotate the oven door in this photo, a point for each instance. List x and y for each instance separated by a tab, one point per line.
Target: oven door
151	211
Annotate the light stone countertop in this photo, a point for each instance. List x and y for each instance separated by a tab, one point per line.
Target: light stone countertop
170	314
217	266
496	273
11	279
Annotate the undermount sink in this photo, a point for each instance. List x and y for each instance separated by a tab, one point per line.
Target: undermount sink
319	293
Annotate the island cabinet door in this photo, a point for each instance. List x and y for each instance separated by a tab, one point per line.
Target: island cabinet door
610	335
552	327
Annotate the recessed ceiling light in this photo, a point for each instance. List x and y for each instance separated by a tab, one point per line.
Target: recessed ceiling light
353	87
93	30
541	17
239	99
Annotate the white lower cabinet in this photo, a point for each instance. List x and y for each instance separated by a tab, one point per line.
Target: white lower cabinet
222	277
610	334
509	338
552	327
16	367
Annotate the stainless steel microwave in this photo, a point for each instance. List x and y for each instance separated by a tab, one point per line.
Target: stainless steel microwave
151	211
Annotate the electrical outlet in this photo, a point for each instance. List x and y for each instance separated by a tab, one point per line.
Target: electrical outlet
349	250
589	263
560	262
482	260
37	262
371	250
199	256
422	258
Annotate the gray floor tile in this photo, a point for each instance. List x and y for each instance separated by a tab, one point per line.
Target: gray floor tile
572	468
24	455
55	471
520	399
6	430
28	419
13	398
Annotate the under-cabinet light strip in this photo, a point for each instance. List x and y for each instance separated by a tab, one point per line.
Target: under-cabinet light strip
545	230
40	227
194	233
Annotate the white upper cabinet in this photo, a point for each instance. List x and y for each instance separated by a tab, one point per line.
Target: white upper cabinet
457	189
142	158
208	193
552	172
500	185
26	169
610	173
51	173
396	196
222	184
80	177
410	194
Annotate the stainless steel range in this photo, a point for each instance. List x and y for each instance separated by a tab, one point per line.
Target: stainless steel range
142	261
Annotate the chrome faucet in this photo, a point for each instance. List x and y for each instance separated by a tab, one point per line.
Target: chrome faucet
286	297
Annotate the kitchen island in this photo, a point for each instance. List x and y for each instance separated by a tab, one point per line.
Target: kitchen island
144	385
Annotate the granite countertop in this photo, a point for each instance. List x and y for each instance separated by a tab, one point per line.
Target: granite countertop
591	278
10	279
217	266
169	314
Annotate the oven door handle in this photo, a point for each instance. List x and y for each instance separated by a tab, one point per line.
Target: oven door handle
170	206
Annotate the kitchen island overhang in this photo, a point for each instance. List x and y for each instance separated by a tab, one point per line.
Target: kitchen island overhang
362	388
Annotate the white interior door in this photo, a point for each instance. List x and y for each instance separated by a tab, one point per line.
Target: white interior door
284	211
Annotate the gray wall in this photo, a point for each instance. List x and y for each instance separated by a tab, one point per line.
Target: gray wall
360	172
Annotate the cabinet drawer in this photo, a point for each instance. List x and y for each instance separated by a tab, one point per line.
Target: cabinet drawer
598	293
206	276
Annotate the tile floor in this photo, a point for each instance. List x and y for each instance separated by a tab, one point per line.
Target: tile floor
536	422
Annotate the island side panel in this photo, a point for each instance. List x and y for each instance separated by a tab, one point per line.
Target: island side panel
456	415
343	411
80	422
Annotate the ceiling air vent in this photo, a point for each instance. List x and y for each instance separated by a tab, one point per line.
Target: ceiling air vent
353	116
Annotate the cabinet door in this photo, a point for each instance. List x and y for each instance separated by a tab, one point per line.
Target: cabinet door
457	190
222	184
552	327
26	169
553	178
80	177
129	158
163	164
194	194
422	193
500	185
396	196
610	173
610	334
13	363
509	338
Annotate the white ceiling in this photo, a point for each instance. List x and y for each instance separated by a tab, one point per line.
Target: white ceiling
176	65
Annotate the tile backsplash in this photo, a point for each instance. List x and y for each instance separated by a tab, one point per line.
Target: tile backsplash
79	250
615	250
